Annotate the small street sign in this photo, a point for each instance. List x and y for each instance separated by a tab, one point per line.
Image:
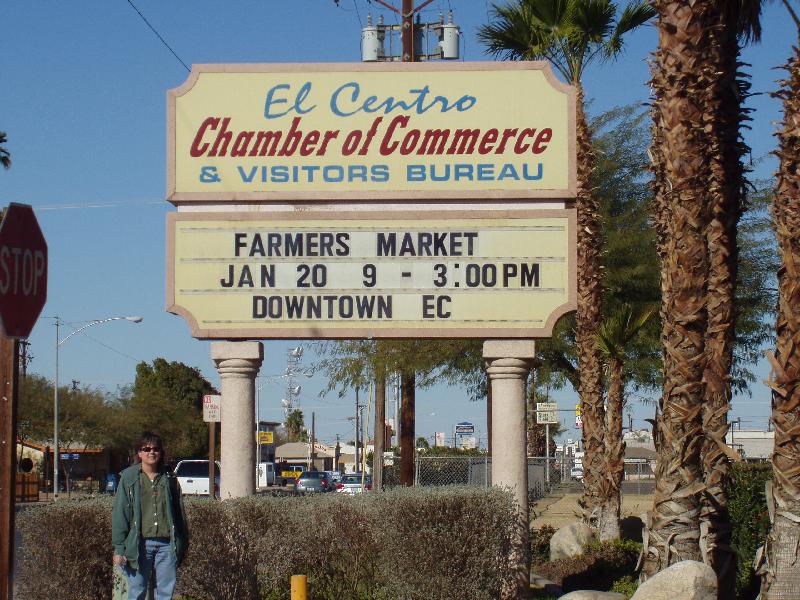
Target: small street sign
23	271
265	437
577	410
212	408
578	422
546	412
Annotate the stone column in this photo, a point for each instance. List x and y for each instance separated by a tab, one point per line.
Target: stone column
238	364
508	363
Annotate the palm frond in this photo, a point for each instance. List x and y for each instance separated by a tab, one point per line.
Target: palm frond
635	15
748	27
619	329
570	34
5	155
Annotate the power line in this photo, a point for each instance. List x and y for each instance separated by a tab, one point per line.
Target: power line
358	14
98	205
153	29
120	352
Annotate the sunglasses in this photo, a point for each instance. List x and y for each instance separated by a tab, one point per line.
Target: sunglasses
149	449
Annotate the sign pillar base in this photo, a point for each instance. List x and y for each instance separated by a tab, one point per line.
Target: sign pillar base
238	364
508	363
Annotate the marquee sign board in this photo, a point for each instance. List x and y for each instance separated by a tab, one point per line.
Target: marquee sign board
304	275
370	132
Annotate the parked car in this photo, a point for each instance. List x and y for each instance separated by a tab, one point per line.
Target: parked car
193	477
351	484
313	481
334	476
576	473
288	473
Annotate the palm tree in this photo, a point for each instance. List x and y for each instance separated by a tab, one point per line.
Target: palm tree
781	577
572	34
5	155
295	426
699	190
614	338
740	23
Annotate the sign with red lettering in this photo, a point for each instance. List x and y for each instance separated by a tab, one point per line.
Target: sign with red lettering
371	132
23	271
212	408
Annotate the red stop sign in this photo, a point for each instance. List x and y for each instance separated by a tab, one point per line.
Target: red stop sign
23	271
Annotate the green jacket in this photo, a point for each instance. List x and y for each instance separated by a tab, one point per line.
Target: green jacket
126	519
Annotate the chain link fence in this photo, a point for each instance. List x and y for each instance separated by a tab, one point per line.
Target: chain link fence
477	470
638	478
543	473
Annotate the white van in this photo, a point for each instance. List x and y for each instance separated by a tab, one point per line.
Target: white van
265	474
193	477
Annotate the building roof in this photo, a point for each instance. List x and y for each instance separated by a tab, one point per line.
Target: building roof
752	443
300	451
640	452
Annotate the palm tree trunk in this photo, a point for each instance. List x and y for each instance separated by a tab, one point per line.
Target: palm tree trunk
726	191
781	568
614	455
407	433
588	317
680	166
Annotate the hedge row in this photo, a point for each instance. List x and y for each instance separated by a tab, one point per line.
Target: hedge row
440	543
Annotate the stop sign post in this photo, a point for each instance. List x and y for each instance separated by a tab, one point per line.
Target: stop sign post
23	292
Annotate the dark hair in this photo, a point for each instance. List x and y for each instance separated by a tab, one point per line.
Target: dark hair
148	438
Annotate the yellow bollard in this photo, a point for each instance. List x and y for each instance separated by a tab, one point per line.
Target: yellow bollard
299	587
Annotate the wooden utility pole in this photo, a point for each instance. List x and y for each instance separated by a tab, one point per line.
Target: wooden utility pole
407	416
380	432
407	35
313	452
407	12
9	378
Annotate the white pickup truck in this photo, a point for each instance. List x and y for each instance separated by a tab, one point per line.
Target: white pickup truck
193	477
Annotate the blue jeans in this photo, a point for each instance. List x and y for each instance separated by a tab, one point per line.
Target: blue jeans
153	554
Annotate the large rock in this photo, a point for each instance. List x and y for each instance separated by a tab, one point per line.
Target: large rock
591	595
571	540
686	580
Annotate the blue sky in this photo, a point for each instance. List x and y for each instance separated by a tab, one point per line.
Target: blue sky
82	98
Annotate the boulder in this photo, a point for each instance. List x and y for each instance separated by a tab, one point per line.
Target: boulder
571	540
686	580
592	595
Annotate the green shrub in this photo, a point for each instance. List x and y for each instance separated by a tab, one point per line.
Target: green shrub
625	585
598	568
747	506
540	544
66	550
436	544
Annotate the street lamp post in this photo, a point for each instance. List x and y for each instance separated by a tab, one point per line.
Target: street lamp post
59	343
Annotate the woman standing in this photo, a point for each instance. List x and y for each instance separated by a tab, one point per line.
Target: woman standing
148	525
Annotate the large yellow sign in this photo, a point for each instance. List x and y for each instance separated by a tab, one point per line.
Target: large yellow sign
502	274
371	132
